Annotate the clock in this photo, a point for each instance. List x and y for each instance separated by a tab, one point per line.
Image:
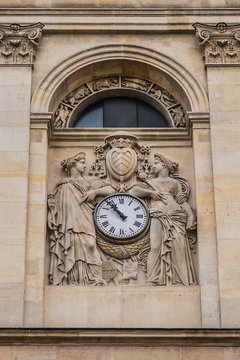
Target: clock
121	218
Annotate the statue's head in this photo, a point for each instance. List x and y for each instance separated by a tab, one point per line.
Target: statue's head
77	161
171	165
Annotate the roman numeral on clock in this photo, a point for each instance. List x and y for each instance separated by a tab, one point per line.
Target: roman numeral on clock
112	229
103	216
121	232
137	208
137	223
105	224
139	216
121	200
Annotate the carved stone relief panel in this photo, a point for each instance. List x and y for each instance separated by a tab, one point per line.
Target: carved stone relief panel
221	43
65	109
127	222
18	43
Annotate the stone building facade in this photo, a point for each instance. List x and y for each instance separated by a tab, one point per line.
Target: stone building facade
158	279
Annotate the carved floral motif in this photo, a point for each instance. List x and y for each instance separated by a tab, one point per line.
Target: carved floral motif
18	43
81	255
72	100
221	43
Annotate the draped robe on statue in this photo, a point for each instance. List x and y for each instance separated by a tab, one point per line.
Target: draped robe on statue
74	255
169	260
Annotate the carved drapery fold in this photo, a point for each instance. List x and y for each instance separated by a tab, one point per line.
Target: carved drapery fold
18	43
170	105
221	43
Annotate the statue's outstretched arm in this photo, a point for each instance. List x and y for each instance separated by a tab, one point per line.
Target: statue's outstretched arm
92	194
145	193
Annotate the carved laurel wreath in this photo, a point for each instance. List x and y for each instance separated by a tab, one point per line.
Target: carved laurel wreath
122	252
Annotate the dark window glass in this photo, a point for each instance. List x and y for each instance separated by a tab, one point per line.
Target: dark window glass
91	117
120	112
149	116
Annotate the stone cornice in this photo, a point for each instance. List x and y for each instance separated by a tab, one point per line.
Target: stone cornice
124	3
135	19
199	120
221	43
168	136
40	120
18	43
119	10
121	337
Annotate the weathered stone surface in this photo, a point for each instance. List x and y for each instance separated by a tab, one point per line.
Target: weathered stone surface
18	43
125	307
90	51
221	43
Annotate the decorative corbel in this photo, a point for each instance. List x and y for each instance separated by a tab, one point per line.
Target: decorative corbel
221	43
18	43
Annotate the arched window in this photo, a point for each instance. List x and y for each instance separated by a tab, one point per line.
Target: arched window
120	112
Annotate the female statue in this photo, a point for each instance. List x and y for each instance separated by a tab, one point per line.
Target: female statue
169	260
74	255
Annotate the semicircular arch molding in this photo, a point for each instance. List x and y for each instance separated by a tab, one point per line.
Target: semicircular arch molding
124	60
102	88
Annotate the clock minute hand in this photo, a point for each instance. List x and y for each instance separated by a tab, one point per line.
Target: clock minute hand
115	208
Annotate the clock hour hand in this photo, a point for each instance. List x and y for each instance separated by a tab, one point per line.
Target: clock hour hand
115	208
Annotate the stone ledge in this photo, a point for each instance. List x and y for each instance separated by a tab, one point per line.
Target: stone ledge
222	4
143	134
92	18
91	10
123	337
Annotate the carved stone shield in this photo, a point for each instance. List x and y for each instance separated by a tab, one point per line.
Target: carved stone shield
121	163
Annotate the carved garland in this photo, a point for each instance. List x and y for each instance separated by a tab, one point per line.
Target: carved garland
166	100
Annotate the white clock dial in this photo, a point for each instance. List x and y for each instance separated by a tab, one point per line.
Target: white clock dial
121	216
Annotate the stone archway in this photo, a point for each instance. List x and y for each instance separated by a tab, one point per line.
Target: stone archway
124	60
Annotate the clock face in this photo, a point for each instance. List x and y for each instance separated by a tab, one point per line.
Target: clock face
121	216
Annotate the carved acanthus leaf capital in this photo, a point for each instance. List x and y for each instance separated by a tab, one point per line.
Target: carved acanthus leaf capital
18	43
221	43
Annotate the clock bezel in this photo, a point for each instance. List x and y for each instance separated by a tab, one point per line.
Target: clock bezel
117	239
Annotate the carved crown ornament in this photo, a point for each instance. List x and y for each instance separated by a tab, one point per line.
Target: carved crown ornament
128	221
18	43
66	108
221	43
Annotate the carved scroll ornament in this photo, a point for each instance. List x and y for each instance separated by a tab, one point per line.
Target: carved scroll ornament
71	101
221	43
18	43
160	255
